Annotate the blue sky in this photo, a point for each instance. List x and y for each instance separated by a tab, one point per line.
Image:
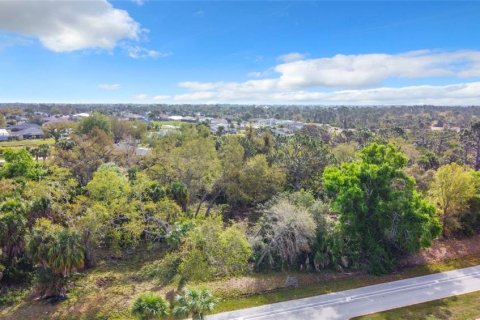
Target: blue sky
380	52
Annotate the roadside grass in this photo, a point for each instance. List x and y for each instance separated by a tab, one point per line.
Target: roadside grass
26	143
107	291
342	283
462	307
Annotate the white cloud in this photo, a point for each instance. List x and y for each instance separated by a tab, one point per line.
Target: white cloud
350	71
355	71
109	86
138	52
141	96
455	94
290	57
353	79
139	2
162	98
200	86
64	26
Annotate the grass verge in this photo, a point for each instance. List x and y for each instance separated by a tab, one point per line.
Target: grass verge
340	284
462	307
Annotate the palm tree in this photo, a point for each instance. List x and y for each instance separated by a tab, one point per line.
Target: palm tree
58	252
195	303
150	306
66	253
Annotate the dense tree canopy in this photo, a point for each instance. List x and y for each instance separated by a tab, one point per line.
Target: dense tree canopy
381	212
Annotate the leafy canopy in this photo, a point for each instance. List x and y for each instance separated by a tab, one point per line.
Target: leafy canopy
380	211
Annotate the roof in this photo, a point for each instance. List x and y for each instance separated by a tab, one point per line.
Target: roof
23	126
82	115
29	132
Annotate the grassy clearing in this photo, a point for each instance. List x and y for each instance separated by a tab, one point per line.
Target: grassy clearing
463	307
26	143
170	123
107	291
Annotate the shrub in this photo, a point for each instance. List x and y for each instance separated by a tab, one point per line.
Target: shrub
163	270
194	303
150	305
210	250
11	297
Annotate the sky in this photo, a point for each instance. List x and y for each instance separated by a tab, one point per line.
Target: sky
248	52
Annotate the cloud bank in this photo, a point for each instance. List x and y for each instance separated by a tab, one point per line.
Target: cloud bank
65	26
109	86
354	79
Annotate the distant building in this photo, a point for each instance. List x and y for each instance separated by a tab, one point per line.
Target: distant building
25	131
182	118
139	151
133	116
4	135
54	120
80	116
28	133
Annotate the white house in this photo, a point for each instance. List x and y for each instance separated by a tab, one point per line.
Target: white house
4	135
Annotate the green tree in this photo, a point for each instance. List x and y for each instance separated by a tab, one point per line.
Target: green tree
256	183
194	303
58	252
150	306
179	193
57	130
95	121
82	155
452	190
211	250
380	212
19	163
304	159
108	183
345	152
3	123
13	228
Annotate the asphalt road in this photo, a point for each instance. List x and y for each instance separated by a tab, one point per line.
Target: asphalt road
366	300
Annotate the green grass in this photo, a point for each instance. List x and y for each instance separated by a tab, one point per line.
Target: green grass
170	123
462	307
344	283
26	143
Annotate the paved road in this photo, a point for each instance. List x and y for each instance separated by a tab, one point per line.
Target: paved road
366	300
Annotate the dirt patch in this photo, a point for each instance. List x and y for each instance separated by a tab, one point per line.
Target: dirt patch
445	249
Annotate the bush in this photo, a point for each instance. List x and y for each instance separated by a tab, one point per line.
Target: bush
211	250
163	270
11	297
284	234
150	305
